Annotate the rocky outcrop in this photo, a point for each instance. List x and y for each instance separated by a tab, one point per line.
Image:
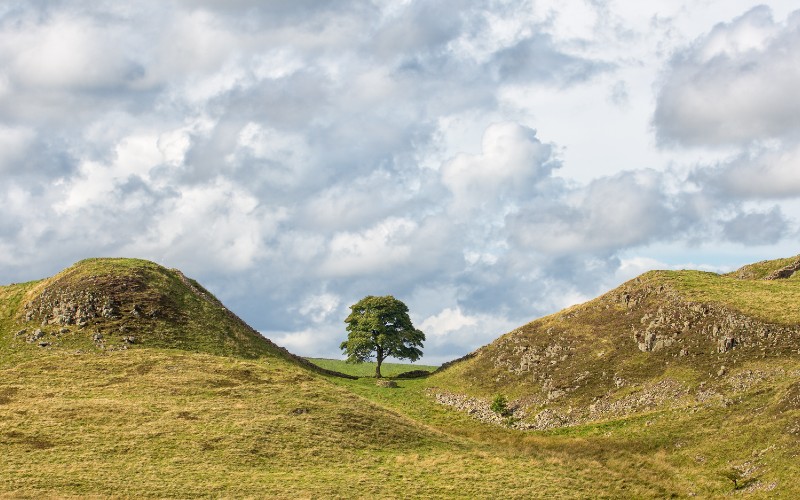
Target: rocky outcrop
480	409
91	299
785	272
519	357
649	397
681	322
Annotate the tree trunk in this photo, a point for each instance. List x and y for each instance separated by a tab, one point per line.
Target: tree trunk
378	365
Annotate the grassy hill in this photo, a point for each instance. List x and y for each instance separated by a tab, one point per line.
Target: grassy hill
684	325
100	305
201	405
715	359
108	304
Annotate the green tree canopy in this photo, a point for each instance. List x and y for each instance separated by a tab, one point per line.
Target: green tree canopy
380	326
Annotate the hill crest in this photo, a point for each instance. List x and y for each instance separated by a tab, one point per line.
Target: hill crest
663	338
119	303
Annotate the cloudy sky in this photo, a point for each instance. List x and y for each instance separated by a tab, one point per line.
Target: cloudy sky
487	162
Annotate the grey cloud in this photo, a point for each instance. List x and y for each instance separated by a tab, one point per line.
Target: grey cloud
735	85
759	174
419	29
38	160
619	94
756	228
537	59
294	151
611	213
276	12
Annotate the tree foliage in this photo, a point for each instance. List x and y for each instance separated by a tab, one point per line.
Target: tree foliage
500	406
380	327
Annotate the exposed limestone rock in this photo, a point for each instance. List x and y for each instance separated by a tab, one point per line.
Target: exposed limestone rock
674	323
382	382
785	272
110	309
93	300
522	358
725	344
35	336
480	409
649	397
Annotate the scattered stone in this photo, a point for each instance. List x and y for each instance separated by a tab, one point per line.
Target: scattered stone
725	344
382	382
299	411
44	344
97	337
129	339
21	333
136	311
109	310
64	330
722	371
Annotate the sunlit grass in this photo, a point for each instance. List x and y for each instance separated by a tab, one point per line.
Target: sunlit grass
176	424
774	301
367	369
205	418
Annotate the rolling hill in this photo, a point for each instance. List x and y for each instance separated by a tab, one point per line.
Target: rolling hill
117	304
713	360
119	378
659	338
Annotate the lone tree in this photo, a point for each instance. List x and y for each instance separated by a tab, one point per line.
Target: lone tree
381	326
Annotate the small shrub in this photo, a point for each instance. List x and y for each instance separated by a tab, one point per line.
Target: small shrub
735	475
500	406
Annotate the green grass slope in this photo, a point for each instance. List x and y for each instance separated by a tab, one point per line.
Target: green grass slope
367	369
763	269
716	358
198	407
164	423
